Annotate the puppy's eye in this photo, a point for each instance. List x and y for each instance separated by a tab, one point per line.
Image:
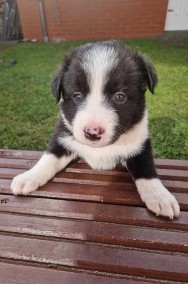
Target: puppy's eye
120	97
77	97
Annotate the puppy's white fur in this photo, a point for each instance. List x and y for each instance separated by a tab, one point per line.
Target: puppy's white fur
66	122
42	172
96	63
157	198
102	116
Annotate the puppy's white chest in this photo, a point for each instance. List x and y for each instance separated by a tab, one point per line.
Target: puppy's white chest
100	161
104	158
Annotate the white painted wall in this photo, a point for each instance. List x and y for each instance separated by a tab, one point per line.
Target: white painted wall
177	15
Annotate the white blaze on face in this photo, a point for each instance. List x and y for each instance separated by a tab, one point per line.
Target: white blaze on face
97	62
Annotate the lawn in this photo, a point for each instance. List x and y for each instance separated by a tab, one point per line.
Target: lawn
28	111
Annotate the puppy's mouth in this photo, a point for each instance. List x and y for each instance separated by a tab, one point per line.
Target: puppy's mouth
99	141
95	143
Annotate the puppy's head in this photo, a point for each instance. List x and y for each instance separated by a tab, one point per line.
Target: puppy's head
101	89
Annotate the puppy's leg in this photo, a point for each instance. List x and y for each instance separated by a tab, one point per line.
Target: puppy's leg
156	197
44	170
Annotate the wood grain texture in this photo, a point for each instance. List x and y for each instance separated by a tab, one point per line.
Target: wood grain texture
35	155
96	257
87	226
89	211
98	232
20	154
22	274
94	193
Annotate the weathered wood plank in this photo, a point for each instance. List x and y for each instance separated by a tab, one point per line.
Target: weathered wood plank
105	233
89	174
75	191
93	193
102	177
173	174
20	154
35	155
83	168
72	176
77	165
17	163
88	178
171	164
90	211
96	257
22	274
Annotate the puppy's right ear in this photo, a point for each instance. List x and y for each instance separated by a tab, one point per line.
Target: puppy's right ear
57	81
56	84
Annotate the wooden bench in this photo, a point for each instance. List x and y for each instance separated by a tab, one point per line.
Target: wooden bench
88	226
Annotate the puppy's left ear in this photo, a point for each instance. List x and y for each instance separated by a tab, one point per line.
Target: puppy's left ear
149	72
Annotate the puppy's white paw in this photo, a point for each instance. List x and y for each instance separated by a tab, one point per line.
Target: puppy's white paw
163	204
25	183
157	198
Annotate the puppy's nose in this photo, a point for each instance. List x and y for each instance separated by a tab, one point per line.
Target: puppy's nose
93	132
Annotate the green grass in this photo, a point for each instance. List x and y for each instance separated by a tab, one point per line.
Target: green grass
28	111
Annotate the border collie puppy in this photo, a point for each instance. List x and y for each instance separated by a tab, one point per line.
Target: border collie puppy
101	89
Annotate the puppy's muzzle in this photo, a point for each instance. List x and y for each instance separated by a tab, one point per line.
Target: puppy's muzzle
93	132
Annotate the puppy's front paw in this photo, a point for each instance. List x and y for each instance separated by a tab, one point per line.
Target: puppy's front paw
157	198
163	203
24	183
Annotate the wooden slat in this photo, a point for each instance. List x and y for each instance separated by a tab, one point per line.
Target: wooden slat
96	257
129	198
10	173
93	193
106	233
20	154
100	176
100	179
35	155
171	164
17	163
77	192
22	274
176	186
89	178
90	211
173	174
163	173
76	165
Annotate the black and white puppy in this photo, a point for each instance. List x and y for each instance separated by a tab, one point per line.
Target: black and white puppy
101	91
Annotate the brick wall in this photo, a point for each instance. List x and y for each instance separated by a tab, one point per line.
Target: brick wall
94	19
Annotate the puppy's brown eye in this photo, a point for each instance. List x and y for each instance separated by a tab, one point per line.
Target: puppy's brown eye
77	97
120	97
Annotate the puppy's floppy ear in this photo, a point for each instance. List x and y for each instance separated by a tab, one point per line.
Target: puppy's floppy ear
57	80
148	70
56	84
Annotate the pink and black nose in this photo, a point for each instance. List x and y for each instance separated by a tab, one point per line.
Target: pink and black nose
93	132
